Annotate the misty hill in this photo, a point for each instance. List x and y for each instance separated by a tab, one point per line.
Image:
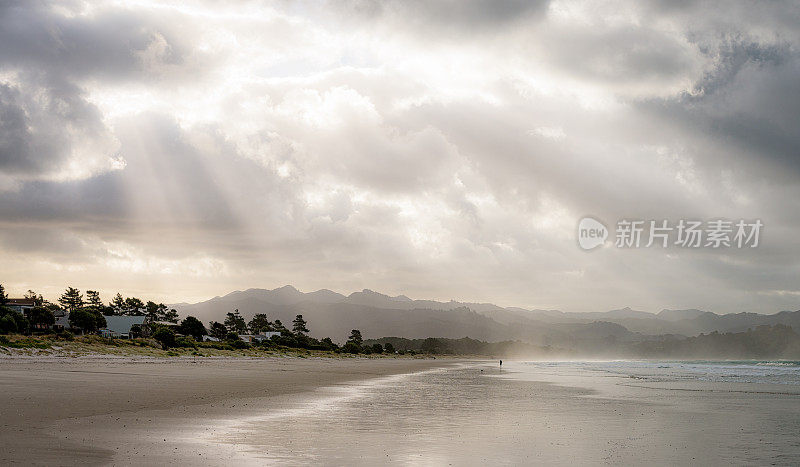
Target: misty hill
333	314
376	315
763	343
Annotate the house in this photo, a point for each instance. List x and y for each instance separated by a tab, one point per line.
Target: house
62	320
20	305
264	336
120	326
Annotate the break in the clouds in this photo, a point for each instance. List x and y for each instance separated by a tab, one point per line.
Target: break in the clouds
436	149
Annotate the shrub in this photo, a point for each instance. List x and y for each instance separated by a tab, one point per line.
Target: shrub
351	347
65	335
8	325
215	345
136	331
232	336
239	344
165	337
41	318
192	326
87	319
28	343
186	342
329	344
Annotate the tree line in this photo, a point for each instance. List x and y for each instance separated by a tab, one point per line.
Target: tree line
87	313
229	332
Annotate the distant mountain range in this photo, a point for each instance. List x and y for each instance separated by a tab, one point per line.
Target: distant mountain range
331	314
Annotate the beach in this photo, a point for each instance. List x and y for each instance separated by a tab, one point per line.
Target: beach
325	411
124	410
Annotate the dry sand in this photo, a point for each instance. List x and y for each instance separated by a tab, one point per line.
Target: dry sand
62	411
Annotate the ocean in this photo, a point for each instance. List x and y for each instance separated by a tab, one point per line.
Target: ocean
550	413
746	371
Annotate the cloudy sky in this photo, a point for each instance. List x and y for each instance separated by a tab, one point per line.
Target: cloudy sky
181	150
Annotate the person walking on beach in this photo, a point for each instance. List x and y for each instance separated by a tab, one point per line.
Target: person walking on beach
501	363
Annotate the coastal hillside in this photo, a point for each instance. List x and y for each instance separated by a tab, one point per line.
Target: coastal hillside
377	315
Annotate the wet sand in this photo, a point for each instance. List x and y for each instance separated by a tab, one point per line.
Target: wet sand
294	411
66	411
478	414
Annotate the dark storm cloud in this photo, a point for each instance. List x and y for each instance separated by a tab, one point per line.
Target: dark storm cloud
46	120
749	104
40	123
448	16
163	171
173	181
34	35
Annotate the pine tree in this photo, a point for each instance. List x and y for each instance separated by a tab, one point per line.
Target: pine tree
235	323
299	325
133	306
38	300
118	304
259	324
355	337
72	299
93	297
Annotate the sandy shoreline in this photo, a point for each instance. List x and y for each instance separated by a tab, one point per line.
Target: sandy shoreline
251	411
145	411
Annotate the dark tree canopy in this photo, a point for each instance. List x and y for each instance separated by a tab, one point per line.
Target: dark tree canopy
192	326
217	330
160	312
87	319
260	324
279	327
72	299
93	299
299	325
117	304
355	337
8	325
133	307
165	337
235	323
41	318
38	300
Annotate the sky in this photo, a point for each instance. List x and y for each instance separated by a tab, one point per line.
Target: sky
176	151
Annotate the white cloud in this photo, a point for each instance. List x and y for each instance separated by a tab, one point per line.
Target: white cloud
371	144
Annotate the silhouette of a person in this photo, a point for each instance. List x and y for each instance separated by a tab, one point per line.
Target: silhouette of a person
501	363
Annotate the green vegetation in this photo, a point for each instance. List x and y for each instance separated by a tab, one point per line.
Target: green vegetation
165	337
37	329
193	327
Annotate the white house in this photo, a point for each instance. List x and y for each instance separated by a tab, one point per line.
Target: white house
264	336
20	305
120	326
